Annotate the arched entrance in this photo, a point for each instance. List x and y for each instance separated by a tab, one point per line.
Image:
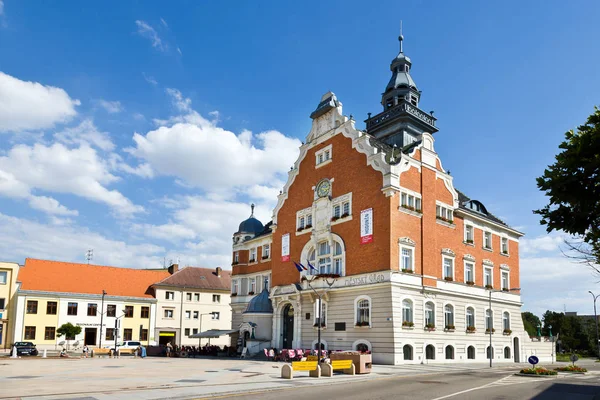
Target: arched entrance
288	327
516	350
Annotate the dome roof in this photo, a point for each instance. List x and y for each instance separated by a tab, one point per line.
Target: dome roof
260	304
400	79
251	225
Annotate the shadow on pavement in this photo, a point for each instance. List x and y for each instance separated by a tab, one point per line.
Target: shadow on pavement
560	391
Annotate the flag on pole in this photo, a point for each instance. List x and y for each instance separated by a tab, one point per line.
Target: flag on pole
298	267
311	266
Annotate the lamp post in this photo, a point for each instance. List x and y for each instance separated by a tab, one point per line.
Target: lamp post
101	317
491	353
117	330
327	278
200	333
596	319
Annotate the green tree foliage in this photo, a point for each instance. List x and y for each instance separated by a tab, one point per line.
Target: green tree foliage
530	321
69	331
576	333
572	184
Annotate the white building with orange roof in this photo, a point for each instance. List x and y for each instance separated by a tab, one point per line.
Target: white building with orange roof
108	303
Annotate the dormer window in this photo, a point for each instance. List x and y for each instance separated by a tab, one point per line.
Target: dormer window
324	156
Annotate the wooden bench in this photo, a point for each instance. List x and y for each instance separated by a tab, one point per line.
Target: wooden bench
346	366
127	351
101	352
313	368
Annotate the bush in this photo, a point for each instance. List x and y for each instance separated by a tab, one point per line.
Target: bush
571	368
538	371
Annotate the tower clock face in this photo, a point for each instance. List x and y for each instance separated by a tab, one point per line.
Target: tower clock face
323	188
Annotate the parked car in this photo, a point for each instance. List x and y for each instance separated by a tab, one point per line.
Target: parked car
24	349
124	345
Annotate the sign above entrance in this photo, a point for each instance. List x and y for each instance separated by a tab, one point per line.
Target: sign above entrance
285	247
366	226
365	279
166	334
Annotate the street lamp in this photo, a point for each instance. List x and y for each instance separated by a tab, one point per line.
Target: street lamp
117	330
596	319
200	333
101	317
491	352
327	278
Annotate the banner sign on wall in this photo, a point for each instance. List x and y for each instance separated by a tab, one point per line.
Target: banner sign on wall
366	226
285	247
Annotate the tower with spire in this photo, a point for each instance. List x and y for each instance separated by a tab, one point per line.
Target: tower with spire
402	121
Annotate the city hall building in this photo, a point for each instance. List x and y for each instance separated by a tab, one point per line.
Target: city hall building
403	262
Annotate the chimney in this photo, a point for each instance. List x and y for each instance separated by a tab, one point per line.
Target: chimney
219	270
173	268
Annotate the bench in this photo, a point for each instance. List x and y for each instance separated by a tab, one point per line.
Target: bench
127	351
346	366
101	352
313	368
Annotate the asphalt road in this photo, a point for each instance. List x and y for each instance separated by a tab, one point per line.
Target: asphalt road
488	385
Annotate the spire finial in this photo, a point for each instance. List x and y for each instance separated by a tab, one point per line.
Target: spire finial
400	38
252	208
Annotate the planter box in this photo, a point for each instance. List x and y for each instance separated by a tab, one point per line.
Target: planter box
362	362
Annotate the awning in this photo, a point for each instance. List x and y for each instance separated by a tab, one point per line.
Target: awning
213	333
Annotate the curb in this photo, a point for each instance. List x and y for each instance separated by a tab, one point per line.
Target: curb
537	376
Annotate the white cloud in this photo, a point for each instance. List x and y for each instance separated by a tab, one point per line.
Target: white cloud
150	79
164	23
542	244
1	7
85	133
145	30
138	116
50	206
111	107
179	51
31	105
79	171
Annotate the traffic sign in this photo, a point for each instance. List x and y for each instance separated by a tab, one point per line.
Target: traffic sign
574	357
533	360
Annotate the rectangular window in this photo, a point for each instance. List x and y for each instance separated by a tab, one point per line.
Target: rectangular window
410	202
188	314
2	305
234	286
187	331
301	223
323	155
144	334
444	213
469	234
3	277
128	311
236	257
110	334
194	331
504	245
49	333
188	297
196	314
170	295
505	281
51	308
168	314
346	209
487	240
30	333
197	297
32	306
252	254
267	279
127	334
448	269
216	315
487	277
266	251
407	259
216	298
337	211
92	309
309	221
145	313
252	285
72	309
340	326
111	310
469	273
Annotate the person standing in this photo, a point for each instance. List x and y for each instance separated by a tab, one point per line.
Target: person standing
85	351
169	349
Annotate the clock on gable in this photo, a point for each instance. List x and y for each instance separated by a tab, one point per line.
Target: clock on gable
323	188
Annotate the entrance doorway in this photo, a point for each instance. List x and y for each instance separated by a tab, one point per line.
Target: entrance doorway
89	338
166	337
516	350
288	327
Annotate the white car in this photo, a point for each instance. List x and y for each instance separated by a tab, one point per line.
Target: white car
125	345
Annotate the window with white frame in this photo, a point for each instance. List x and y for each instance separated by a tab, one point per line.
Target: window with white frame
470	317
345	209
469	234
326	259
216	298
196	296
444	213
407	313
449	316
429	315
324	155
337	258
341	207
234	286
308	220
488	277
188	296
188	314
448	269
301	221
168	314
469	272
216	315
304	219
196	314
266	251
410	201
337	211
505	283
266	279
363	312
252	287
252	254
506	320
324	262
3	277
489	320
504	245
406	262
169	295
487	240
236	257
320	315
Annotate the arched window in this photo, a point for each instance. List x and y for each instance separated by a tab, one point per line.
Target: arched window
449	316
470	317
430	352
507	352
449	353
324	261
487	351
407	313
363	312
327	258
506	320
320	318
489	320
408	352
362	347
429	315
471	353
337	258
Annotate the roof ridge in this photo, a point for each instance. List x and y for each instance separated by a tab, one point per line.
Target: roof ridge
92	265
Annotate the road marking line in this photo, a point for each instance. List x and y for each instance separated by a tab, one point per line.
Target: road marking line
500	382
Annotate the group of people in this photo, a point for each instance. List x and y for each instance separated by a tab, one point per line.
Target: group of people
171	350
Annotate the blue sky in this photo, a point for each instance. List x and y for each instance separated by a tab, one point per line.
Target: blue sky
91	155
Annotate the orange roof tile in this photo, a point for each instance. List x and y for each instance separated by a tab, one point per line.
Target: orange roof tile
58	276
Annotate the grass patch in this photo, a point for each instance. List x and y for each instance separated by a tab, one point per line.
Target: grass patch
571	368
538	371
566	357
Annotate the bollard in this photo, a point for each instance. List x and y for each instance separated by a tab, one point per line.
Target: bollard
14	352
45	353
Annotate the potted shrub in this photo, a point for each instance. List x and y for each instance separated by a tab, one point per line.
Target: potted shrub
448	278
265	257
308	226
411	208
470	283
362	323
469	241
344	215
507	331
334	218
505	289
407	324
538	371
408	271
235	263
430	327
252	260
233	294
471	329
487	330
300	229
489	286
505	252
449	328
571	368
